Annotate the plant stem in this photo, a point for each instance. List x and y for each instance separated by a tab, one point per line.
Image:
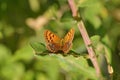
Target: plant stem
85	37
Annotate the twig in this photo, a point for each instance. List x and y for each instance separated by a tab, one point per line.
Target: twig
86	38
89	47
73	8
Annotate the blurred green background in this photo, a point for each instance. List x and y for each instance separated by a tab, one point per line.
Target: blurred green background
22	24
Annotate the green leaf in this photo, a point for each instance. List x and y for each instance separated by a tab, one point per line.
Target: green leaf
95	40
70	66
87	3
78	66
47	64
38	47
91	12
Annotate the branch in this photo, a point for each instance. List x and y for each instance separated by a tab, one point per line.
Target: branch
85	37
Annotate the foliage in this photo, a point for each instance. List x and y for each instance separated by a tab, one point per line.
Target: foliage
23	55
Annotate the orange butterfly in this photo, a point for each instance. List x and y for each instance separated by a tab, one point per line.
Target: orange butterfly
55	44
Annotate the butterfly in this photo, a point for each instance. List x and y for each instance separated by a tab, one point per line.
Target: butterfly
55	43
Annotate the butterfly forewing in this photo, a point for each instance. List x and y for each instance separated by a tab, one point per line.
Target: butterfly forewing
52	40
51	37
67	41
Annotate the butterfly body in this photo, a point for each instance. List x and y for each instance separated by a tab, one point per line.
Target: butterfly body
55	44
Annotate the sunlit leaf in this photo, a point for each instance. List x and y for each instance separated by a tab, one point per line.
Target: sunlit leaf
38	47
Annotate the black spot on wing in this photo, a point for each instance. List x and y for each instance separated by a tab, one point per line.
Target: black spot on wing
50	37
50	34
53	36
